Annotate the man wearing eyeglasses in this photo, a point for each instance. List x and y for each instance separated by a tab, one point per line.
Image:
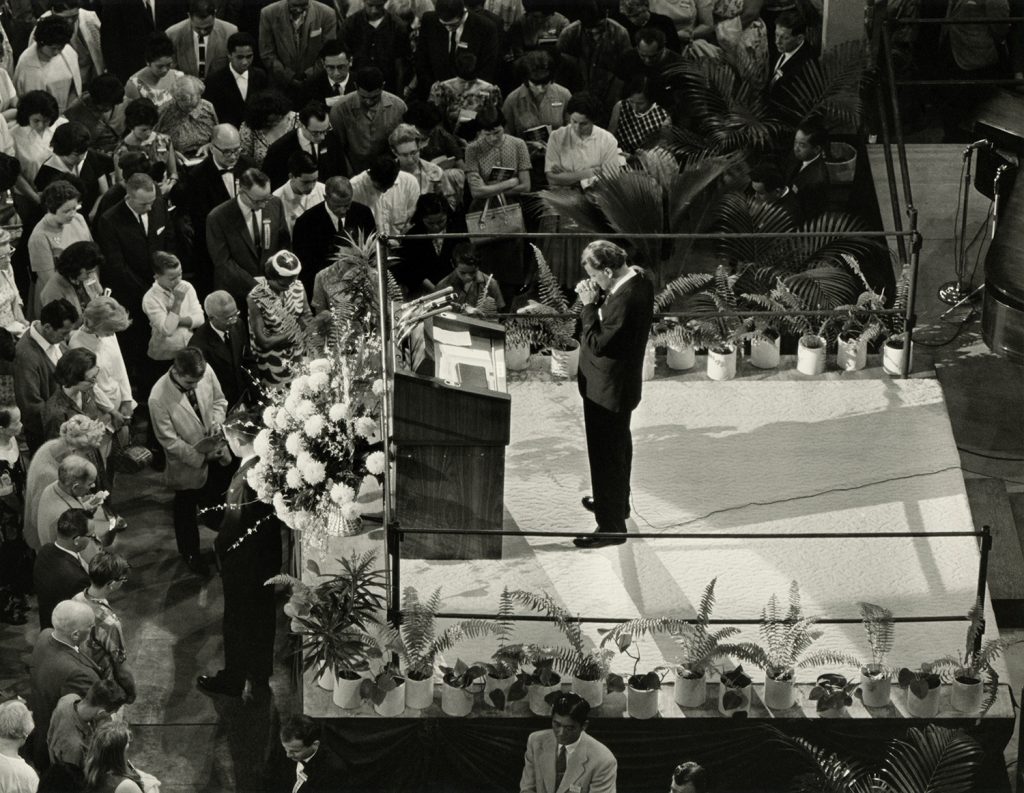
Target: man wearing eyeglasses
565	759
314	135
224	343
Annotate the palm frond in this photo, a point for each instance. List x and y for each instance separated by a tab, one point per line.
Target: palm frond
830	87
680	287
932	760
829	773
824	287
575	206
737	214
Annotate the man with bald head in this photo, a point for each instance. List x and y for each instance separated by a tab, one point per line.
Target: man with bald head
58	668
223	341
211	183
322	228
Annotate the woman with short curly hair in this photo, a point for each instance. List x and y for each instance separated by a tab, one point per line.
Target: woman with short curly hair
77	276
268	116
101	319
37	117
188	119
15	725
61	226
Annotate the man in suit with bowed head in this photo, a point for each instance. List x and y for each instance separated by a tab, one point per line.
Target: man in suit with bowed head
448	30
291	35
200	41
60	572
228	89
618	307
809	177
317	768
565	758
187	406
223	341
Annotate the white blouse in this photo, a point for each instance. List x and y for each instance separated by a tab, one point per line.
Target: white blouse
112	385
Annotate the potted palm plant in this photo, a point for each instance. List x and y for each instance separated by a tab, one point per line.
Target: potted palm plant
876	676
332	618
423	642
786	636
587	666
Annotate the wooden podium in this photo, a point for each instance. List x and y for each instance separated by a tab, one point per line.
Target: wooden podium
450	433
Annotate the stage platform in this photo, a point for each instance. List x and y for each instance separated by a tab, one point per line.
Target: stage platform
772	454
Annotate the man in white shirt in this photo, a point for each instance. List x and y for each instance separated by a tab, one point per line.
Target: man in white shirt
173	311
317	768
565	757
390	193
302	190
228	89
200	41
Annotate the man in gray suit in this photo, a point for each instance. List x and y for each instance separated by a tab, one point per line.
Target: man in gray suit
565	758
201	40
291	35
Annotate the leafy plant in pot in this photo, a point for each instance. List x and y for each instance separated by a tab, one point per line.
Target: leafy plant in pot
734	692
922	687
677	339
386	686
786	637
833	693
456	699
555	333
642	690
332	618
423	642
505	682
540	685
897	345
587	666
876	676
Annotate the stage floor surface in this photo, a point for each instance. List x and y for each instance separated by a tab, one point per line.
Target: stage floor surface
761	457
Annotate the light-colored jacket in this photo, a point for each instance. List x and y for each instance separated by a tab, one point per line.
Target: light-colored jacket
89	30
590	768
178	428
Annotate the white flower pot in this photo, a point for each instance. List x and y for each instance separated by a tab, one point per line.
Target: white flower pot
690	692
419	694
394	702
681	357
641	704
744	694
535	696
779	694
722	365
346	692
326	679
591	690
456	701
764	353
967	696
851	354
565	363
650	361
517	356
875	692
810	359
502	684
892	357
927	708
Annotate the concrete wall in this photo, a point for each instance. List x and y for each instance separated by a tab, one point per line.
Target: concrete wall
843	21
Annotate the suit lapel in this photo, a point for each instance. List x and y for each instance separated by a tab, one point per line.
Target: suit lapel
575	765
245	233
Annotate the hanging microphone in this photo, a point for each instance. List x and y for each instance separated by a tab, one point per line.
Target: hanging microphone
984	143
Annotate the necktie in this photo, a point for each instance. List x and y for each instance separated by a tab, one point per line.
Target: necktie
453	44
227	337
316	152
339	89
202	56
149	7
559	766
193	400
145	226
256	236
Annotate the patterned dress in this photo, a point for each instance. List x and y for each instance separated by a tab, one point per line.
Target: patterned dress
281	312
635	128
254	143
460	100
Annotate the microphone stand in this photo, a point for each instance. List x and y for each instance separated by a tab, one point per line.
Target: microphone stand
953	292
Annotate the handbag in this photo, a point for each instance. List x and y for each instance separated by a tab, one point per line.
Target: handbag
491	224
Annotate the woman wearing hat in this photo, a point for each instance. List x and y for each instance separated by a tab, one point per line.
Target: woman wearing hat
278	314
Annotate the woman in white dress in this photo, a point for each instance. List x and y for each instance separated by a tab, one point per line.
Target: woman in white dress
102	319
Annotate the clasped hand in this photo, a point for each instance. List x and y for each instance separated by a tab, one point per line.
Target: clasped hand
587	290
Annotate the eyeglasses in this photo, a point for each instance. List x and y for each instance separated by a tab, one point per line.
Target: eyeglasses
228	152
256	202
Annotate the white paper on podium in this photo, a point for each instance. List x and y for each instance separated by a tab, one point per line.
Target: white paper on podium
453	338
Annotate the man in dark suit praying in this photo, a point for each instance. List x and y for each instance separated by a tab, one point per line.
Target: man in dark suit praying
317	768
60	572
448	30
618	306
322	228
334	78
228	89
223	341
313	136
809	176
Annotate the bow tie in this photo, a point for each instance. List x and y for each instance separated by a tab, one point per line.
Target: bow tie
223	171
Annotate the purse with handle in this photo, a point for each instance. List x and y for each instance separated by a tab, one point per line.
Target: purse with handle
492	223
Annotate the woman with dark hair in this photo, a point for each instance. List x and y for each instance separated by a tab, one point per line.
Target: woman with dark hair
107	767
100	110
140	118
637	116
76	373
461	97
61	226
77	276
37	117
268	116
50	63
425	262
71	144
154	80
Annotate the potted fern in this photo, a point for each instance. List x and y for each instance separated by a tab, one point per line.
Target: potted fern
503	673
588	667
422	642
331	619
897	345
677	339
518	338
786	637
876	676
456	698
922	686
555	332
642	690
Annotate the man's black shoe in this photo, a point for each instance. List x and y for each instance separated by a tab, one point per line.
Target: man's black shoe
599	539
197	565
588	504
214	684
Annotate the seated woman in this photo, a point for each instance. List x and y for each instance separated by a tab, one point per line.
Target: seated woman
78	435
423	263
278	315
61	226
637	117
140	118
189	119
461	97
76	374
76	278
101	320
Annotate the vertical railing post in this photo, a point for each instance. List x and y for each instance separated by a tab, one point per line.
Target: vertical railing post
986	548
910	317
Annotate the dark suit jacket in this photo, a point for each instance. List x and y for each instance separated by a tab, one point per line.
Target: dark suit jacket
316	240
34	382
324	772
95	177
275	163
419	260
778	87
236	259
205	192
319	87
226	359
382	46
56	576
811	187
612	345
433	62
222	93
128	269
125	26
